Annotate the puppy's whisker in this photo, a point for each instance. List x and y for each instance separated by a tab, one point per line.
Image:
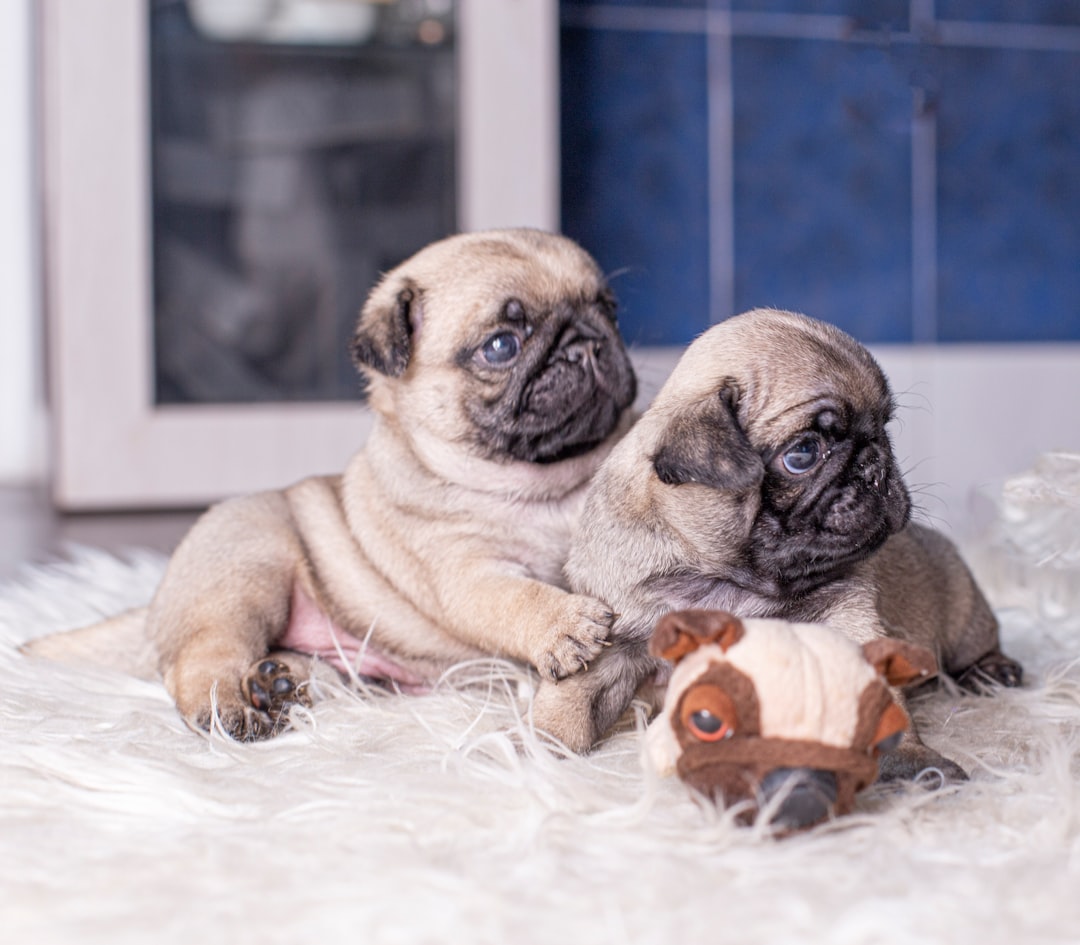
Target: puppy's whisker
621	271
921	493
924	405
928	518
910	467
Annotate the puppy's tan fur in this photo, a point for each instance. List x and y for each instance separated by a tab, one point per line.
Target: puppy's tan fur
439	542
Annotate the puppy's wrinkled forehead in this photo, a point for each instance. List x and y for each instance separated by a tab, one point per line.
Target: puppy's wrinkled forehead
538	269
772	359
813	366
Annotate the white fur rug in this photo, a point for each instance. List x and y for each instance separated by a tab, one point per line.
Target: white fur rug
393	819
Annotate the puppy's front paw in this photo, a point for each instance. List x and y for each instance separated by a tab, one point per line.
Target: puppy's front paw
239	721
576	638
273	687
254	707
993	667
917	762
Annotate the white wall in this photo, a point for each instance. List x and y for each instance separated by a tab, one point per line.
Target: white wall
22	448
968	418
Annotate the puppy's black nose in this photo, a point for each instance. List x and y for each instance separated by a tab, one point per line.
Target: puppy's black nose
873	468
578	343
808	796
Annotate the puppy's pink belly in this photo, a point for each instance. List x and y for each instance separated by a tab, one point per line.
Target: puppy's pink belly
312	631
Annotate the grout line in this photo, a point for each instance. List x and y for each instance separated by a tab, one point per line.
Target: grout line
921	15
923	28
811	26
924	275
721	158
1030	36
650	19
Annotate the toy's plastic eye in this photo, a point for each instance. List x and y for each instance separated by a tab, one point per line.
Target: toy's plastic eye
708	713
708	727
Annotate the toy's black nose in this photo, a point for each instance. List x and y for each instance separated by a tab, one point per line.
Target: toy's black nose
808	796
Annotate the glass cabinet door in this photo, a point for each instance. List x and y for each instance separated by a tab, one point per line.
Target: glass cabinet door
298	149
226	180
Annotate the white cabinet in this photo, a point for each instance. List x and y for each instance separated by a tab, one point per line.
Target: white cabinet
216	180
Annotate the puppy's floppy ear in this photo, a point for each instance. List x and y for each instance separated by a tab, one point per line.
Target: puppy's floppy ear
901	663
683	631
383	339
705	444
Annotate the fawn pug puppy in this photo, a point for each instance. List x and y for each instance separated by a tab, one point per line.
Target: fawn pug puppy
498	381
762	482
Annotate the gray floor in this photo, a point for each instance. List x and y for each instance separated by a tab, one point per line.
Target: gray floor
32	531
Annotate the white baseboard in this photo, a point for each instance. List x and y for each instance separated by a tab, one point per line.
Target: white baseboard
969	417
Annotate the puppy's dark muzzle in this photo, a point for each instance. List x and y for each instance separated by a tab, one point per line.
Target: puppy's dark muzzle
807	796
872	467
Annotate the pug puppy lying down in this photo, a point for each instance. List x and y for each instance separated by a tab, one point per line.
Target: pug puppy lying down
499	382
762	482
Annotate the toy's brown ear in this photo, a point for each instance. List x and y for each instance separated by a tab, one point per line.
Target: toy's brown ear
683	631
890	729
899	662
384	334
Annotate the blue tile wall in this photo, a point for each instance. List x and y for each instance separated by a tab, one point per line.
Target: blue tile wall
863	14
1008	196
822	201
908	182
696	4
1046	12
635	170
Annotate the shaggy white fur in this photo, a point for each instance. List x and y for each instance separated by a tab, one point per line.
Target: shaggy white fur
440	818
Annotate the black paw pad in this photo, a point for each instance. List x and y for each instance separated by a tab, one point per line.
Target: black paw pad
993	669
1005	671
271	688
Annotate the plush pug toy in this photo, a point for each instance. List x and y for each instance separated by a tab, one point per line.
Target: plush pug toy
758	710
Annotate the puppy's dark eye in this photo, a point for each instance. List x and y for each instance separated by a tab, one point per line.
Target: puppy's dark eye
607	304
501	348
709	727
803	455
